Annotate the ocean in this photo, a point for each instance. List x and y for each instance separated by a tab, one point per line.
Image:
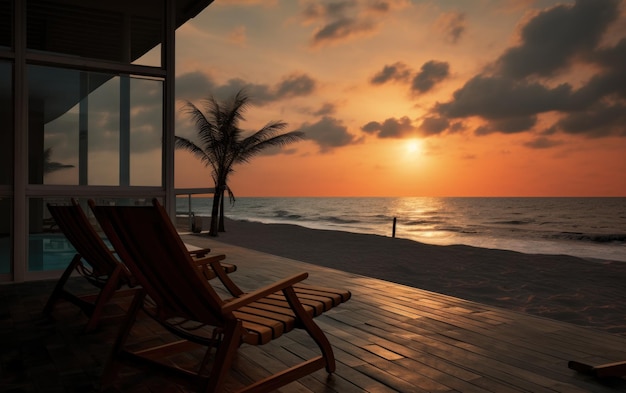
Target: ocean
584	227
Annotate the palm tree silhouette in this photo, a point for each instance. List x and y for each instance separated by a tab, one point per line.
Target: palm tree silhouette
51	166
222	144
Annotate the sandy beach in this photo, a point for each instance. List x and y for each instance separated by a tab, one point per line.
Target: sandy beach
584	292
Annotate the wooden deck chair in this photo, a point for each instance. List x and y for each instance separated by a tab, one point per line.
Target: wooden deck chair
96	262
148	244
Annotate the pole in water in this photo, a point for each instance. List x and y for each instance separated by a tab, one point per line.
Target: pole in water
393	232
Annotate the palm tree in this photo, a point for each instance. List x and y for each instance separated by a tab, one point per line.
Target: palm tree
222	144
51	166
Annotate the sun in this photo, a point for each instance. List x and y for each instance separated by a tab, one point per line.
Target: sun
413	146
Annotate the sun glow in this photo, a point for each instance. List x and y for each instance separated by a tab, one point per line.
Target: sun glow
414	147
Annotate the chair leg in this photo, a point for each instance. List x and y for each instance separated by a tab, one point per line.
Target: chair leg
58	288
103	297
311	327
112	367
226	351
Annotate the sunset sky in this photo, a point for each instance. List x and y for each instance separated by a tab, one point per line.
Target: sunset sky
417	98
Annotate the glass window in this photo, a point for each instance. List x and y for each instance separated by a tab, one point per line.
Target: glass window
6	23
48	248
89	128
97	29
6	119
6	223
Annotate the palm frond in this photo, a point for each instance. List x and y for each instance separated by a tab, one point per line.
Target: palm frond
265	138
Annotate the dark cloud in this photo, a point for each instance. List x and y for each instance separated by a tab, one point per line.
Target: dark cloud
499	98
372	127
380	6
542	143
431	73
342	21
326	109
390	128
395	72
434	125
295	85
196	85
510	96
341	29
452	25
513	125
601	120
610	82
555	36
328	133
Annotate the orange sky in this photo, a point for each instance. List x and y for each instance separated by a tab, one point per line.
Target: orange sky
417	98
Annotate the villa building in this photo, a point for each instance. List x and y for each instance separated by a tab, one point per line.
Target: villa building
86	111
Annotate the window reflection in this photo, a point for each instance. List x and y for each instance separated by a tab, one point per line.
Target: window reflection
5	234
6	23
6	119
89	128
48	248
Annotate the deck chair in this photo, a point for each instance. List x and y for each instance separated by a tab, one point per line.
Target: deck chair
96	262
148	244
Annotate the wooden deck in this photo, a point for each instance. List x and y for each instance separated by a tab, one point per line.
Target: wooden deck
387	338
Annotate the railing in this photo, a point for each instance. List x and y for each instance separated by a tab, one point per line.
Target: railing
189	192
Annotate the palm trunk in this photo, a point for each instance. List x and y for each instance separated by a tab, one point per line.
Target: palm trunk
215	211
221	223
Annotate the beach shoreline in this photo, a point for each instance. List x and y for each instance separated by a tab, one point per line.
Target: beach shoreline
571	289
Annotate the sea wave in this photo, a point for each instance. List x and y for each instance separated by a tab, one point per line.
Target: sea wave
338	220
513	222
423	222
582	226
593	237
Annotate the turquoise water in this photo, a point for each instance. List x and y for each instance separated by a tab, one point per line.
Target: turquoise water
585	227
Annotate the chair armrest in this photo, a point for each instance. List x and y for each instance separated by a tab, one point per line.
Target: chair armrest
199	253
215	269
250	297
212	260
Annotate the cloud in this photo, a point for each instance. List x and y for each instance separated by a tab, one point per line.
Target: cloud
295	85
554	37
452	25
343	21
395	72
390	128
542	143
326	109
342	29
431	73
194	85
500	97
434	125
328	133
511	125
598	121
197	85
520	86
